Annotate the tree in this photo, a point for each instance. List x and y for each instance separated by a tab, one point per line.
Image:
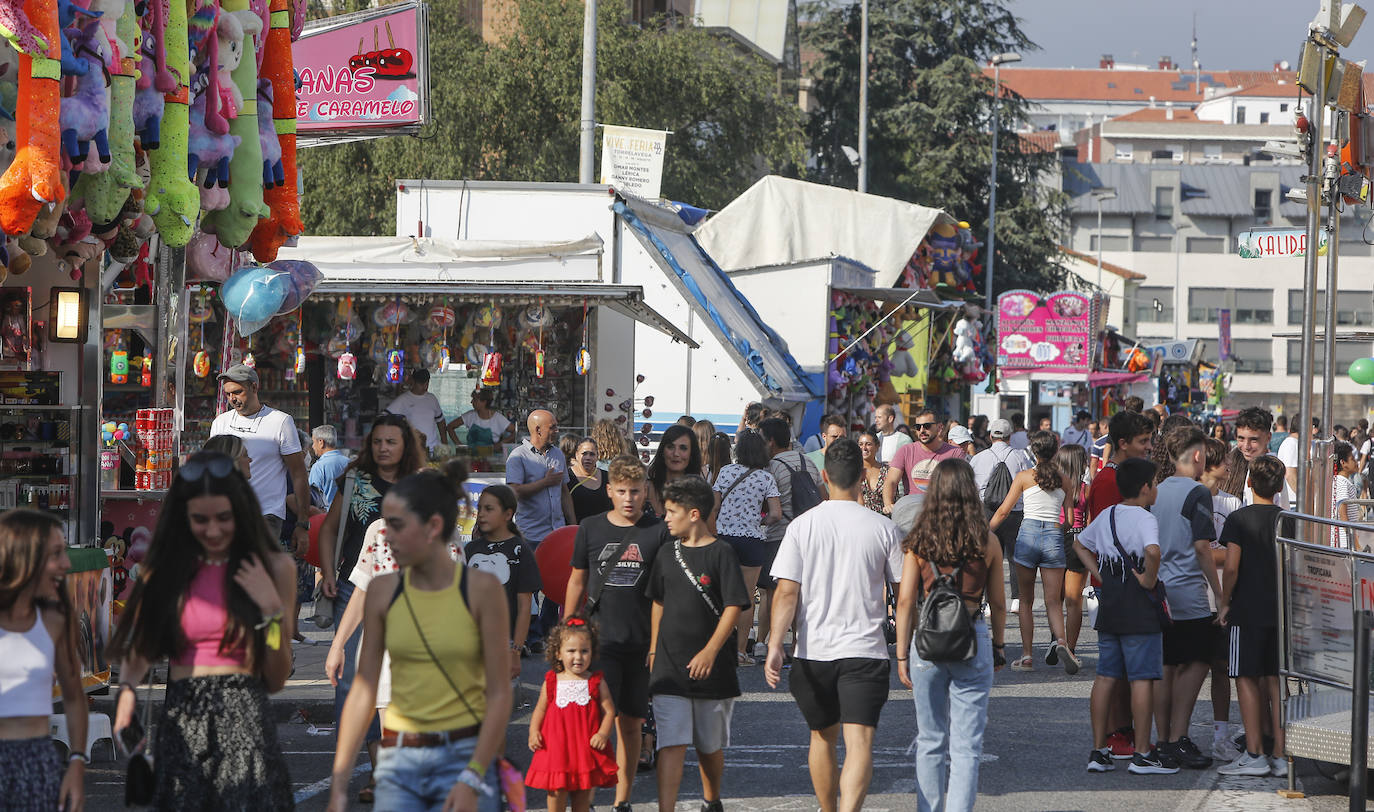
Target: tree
509	111
930	122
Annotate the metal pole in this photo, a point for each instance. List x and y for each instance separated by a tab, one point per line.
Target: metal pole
863	96
1178	275
586	164
992	182
1099	243
1359	713
1321	466
1309	288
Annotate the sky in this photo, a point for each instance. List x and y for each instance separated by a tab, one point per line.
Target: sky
1232	34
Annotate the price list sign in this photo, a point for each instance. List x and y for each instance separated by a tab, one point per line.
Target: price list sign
1321	613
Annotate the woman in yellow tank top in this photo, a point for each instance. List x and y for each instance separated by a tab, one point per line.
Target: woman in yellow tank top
446	629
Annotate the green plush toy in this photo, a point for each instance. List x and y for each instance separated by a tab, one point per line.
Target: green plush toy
106	192
173	200
234	224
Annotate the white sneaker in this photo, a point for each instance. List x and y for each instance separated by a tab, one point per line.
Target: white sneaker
1246	764
1224	750
1278	767
760	651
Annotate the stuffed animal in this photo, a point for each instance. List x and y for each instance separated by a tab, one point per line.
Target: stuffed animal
149	102
173	200
159	18
107	193
35	242
233	225
34	178
226	55
85	115
19	31
73	64
285	220
272	174
210	153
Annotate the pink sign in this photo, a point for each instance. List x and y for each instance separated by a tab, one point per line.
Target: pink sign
1049	334
363	72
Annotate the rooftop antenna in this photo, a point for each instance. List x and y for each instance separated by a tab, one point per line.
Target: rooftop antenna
1197	66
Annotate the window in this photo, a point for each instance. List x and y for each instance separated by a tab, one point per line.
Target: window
1206	245
1125	152
1240	115
1203	304
1283	108
1248	305
1177	151
1154	304
1346	353
1264	118
1353	308
1154	243
1110	242
1164	202
1264	206
1211	152
1254	356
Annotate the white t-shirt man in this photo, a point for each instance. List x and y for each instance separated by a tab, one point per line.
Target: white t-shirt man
1288	455
267	436
496	424
842	554
423	412
889	443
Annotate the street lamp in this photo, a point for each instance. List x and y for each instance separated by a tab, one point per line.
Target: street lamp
1101	194
863	96
997	63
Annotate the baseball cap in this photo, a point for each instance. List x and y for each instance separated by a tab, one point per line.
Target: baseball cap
958	435
240	373
906	510
1001	427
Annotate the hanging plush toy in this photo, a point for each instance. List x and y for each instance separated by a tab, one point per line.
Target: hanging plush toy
106	193
34	178
348	366
235	223
284	222
172	199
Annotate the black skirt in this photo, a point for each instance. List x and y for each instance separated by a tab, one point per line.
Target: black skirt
30	775
215	748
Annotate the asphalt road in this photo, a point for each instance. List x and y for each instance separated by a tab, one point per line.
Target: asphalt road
1034	756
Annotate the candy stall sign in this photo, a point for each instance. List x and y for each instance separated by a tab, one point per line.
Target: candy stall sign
364	74
1049	334
1272	243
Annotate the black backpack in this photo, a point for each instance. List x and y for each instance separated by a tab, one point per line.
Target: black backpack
805	494
999	485
944	630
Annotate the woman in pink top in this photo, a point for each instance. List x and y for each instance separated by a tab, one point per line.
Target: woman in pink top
217	598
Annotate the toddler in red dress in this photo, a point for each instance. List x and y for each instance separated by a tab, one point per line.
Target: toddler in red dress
570	730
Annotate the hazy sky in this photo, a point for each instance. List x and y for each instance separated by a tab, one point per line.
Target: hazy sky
1232	34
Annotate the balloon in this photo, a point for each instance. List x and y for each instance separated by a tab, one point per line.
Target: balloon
1362	371
207	260
312	555
554	557
391	314
301	279
487	316
253	295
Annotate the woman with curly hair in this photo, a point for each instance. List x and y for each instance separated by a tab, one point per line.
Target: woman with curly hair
951	534
610	442
1040	546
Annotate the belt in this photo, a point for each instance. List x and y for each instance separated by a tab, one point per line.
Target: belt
394	738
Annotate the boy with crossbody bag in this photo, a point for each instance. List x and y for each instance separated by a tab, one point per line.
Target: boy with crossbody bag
692	677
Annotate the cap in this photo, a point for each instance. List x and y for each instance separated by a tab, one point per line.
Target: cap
906	510
958	435
1082	414
240	373
1001	427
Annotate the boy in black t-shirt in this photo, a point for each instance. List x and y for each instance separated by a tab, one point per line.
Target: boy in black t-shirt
1249	580
692	663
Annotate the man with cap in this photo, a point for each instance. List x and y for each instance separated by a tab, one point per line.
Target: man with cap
274	450
984	463
1077	433
962	437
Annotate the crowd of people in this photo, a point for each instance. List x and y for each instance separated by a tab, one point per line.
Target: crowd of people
723	553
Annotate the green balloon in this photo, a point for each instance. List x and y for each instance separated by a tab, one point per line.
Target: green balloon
1362	371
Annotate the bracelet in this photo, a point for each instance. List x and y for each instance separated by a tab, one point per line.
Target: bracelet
478	767
470	777
273	626
998	645
903	659
126	684
81	757
267	621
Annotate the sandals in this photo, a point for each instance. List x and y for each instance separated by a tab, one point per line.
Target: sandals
367	794
744	660
1025	663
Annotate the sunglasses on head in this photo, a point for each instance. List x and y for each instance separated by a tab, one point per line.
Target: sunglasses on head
216	466
923	426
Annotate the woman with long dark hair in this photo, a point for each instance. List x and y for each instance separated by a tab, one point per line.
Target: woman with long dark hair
874	473
390	452
446	628
1072	460
38	643
951	534
678	456
716	455
217	597
705	431
1040	547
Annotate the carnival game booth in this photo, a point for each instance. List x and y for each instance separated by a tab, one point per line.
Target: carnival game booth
721	355
530	322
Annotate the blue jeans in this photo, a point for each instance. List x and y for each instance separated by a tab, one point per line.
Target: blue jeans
420	778
951	715
1040	544
374	730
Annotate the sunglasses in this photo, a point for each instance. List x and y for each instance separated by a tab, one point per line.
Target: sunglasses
216	466
922	426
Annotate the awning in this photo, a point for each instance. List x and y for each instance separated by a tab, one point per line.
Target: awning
1114	378
761	354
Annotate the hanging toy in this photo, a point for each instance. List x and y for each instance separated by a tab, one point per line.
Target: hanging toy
348	366
249	361
395	366
444	358
119	366
491	369
584	355
145	378
299	368
200	364
539	364
540	316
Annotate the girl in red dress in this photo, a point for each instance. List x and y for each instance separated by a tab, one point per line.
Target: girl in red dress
570	730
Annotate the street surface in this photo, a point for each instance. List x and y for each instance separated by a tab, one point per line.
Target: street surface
1033	759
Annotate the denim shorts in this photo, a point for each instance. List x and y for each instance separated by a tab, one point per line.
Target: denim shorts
1130	656
420	778
1040	544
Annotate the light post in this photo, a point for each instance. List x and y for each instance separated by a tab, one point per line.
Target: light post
997	63
863	95
1101	194
586	152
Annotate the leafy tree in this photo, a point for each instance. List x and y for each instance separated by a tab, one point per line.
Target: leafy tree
509	110
930	122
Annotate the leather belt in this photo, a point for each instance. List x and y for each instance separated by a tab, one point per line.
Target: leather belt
394	738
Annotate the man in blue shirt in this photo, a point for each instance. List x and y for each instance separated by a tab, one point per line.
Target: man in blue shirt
329	465
538	473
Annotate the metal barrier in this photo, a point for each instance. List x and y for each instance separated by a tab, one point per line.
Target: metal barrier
1324	600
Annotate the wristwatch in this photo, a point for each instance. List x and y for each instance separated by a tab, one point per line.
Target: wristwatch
470	777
